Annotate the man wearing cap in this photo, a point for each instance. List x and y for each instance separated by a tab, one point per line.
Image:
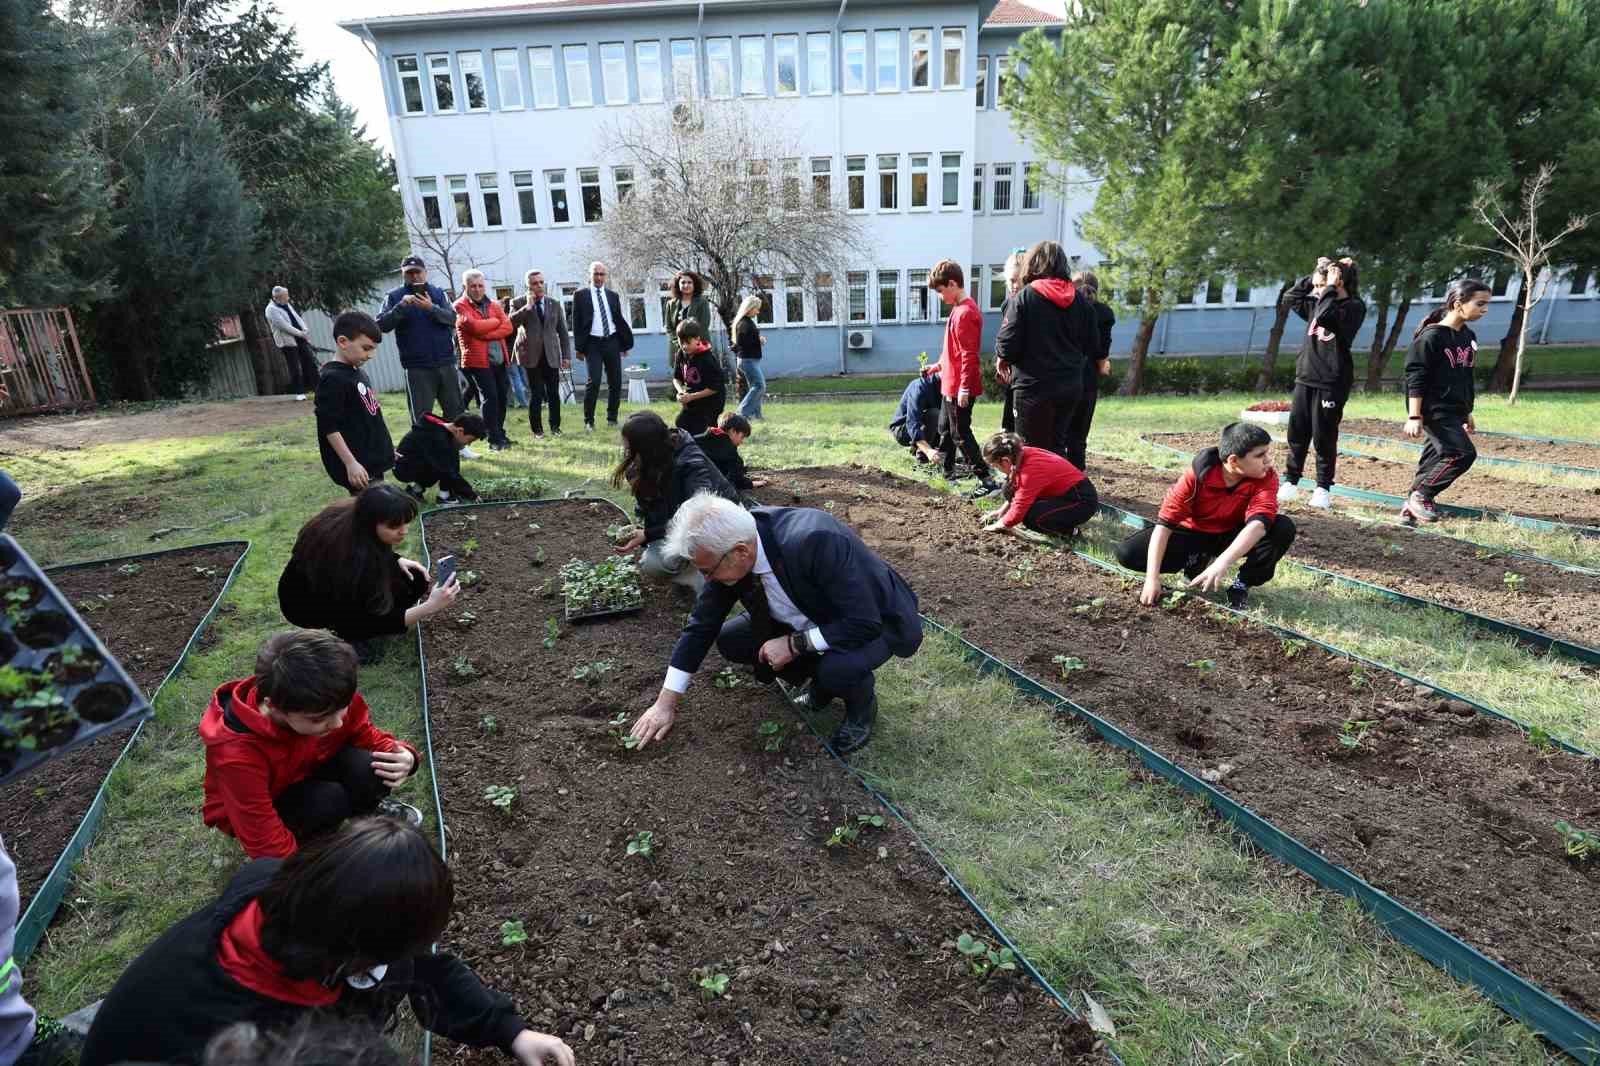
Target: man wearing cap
423	322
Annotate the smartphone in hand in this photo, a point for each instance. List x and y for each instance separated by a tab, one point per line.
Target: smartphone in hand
445	570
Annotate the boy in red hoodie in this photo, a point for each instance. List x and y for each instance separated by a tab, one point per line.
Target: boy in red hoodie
1224	508
292	752
960	380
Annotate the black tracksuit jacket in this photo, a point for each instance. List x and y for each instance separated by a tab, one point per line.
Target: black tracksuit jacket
1439	369
1331	327
691	472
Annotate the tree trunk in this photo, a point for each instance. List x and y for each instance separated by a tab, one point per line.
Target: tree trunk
1520	324
1141	345
1381	359
1269	357
1509	359
271	375
1375	353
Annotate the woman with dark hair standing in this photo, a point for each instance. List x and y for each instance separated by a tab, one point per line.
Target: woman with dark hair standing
1097	366
1323	372
342	928
1440	393
663	467
688	300
1047	336
344	574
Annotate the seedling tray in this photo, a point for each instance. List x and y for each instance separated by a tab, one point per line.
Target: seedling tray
608	612
36	633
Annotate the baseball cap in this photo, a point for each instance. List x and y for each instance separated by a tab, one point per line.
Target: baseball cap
412	262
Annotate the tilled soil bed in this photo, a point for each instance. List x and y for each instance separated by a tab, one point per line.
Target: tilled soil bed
843	954
1529	451
1476	488
146	619
1452	812
1454	572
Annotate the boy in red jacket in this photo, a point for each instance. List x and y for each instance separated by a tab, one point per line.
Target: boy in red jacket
1224	508
960	380
292	752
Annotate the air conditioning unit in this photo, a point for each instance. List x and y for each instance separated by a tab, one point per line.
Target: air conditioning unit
860	339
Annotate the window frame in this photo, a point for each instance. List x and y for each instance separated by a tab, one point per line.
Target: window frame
556	179
911	60
824	285
997	276
825	66
618	60
790	190
500	71
782	42
711	62
826	185
948	173
917	296
692	66
892	173
879	37
620	183
980	85
531	189
926	170
584	187
483	84
995	187
639	67
847	40
534	67
746	64
1031	184
980	188
485	192
414	75
461	196
854	279
428	189
892	288
945	50
433	83
1002	64
860	174
794	288
575	55
768	314
635	292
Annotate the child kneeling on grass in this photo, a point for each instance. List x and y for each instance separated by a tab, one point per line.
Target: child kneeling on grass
431	455
342	929
722	442
1224	508
292	752
1047	493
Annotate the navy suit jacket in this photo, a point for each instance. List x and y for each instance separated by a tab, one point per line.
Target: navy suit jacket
835	580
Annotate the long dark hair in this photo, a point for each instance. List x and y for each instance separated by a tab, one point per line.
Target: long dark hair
699	284
1047	259
1088	284
339	548
1005	446
1460	291
372	893
1349	276
647	455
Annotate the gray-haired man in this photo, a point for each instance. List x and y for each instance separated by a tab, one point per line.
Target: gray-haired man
294	341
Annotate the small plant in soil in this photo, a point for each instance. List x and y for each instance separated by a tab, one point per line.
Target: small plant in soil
468	578
1173	599
206	571
534	527
590	673
1579	844
850	831
129	569
727	677
512	488
1291	648
1093	608
552	633
548	589
1514	581
462	667
609	585
16	683
73	655
1022	573
1354	732
16	604
619	732
512	934
714	986
1540	740
502	796
467	619
983	960
1390	549
1067	663
618	532
489	724
468	548
771	734
1204	666
1485	553
643	843
539	556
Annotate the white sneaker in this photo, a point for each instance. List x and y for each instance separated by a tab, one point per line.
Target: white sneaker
1288	493
1321	497
468	453
301	396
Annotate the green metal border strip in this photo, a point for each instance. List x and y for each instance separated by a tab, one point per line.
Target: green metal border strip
1492	460
47	898
977	908
1532	637
1544	525
1569	1030
1536	438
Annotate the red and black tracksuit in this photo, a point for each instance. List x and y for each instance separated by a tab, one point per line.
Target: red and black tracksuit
1439	370
960	376
1323	374
1047	336
1048	494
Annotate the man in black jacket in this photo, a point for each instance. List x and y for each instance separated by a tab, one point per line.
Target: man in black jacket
601	333
821	609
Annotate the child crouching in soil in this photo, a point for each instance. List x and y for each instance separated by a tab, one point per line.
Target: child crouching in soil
1047	493
722	442
1223	509
431	455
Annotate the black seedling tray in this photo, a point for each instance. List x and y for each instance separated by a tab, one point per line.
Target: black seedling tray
607	612
95	700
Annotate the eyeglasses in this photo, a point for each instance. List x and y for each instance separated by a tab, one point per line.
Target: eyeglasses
714	567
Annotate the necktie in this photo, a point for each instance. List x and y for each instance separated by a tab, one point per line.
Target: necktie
540	305
605	313
293	317
760	612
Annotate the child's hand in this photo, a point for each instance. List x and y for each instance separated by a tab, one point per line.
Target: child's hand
997	526
393	767
356	475
758	482
443	596
541	1049
1150	594
1210	579
683	398
631	544
411	566
1413	427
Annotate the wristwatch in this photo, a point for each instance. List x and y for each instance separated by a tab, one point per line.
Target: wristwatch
797	644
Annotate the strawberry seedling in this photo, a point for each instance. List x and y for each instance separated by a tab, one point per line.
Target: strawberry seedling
714	986
129	569
1513	581
489	724
1022	573
1354	731
1579	844
467	619
552	633
850	831
643	843
539	555
1173	599
983	960
592	672
1093	608
502	796
772	732
727	677
1204	666
619	732
468	578
1540	740
1358	678
512	934
1067	663
1291	648
462	667
468	546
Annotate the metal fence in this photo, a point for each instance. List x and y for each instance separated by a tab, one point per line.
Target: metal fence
233	375
42	362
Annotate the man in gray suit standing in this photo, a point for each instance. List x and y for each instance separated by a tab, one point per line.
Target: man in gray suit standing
544	348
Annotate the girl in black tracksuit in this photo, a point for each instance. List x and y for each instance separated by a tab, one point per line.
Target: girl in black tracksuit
1440	393
1324	370
1046	337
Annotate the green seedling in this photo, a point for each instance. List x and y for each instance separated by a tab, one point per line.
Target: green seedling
1205	666
548	589
1291	648
512	934
1540	740
619	732
643	843
1391	549
489	724
467	619
714	986
1022	573
534	527
1173	599
772	732
849	832
592	672
469	546
1485	553
618	532
502	796
727	677
16	603
983	960
468	578
1514	581
73	654
511	488
1354	732
1580	844
539	555
611	584
462	667
206	571
129	568
1067	663
15	682
1093	608
552	633
1358	678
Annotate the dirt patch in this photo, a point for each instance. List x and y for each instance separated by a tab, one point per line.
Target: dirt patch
1452	812
842	954
1477	487
146	618
1543	598
1491	444
50	432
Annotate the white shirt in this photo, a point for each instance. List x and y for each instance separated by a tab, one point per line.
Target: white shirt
779	605
597	327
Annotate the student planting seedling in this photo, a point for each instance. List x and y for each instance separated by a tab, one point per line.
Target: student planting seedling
431	455
722	442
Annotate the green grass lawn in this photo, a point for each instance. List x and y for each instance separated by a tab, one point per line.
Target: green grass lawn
1202	951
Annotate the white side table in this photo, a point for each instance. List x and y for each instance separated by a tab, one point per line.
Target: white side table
638	392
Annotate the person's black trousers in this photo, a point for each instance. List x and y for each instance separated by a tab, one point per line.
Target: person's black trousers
695	422
603	354
1192	552
341	788
302	368
1008	408
1314	417
1063	514
1446	455
544	386
1045	412
956	431
1082	419
845	674
494	386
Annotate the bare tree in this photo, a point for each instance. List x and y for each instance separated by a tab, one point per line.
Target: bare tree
446	248
1521	243
722	193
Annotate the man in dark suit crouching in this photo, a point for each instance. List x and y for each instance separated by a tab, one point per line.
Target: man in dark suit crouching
822	611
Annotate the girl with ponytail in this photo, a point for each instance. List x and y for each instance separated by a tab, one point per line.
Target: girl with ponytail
1440	394
1323	372
1044	492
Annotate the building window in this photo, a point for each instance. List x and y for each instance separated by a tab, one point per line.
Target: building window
1500	282
444	88
856	283
405	67
1002	187
1214	289
953	49
822	181
889	182
819	64
580	86
1030	187
664	296
794	300
757	175
764	287
824	299
560	210
527	209
919	182
917	295
1001	65
634	292
752	66
568	289
647	58
428	193
542	62
623	177
981	89
683	70
786	63
888	296
461	199
719	67
614	72
997	286
508	79
589	192
471	64
789	179
853	47
977	188
1580	283
950	169
855	180
886	49
489	188
921	59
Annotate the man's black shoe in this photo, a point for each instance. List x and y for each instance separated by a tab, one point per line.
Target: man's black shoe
808	700
856	729
1194	565
1238	595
